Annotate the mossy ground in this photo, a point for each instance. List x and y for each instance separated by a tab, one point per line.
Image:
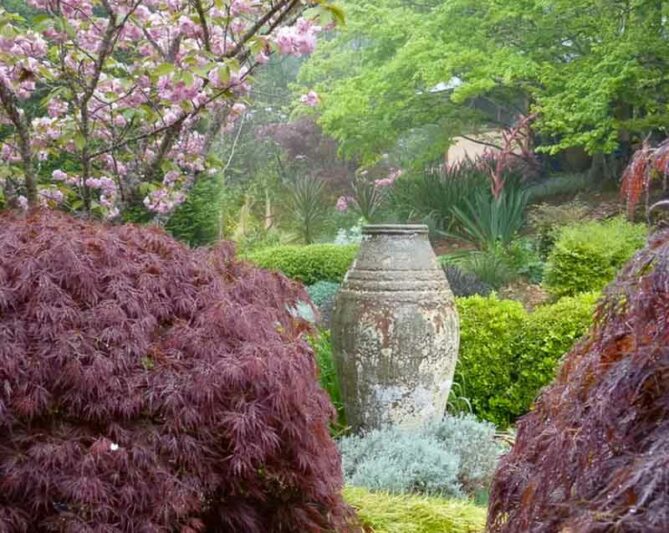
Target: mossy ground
386	513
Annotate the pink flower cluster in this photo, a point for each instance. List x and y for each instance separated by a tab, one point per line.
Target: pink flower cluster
310	99
163	201
387	182
343	203
298	40
62	177
50	196
108	194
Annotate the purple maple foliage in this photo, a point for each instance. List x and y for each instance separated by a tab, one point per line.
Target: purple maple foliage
145	386
593	455
304	144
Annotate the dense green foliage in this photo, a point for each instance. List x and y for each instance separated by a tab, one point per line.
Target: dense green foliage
547	220
587	256
490	266
431	197
487	222
308	264
198	220
327	375
386	513
488	330
590	68
507	354
455	457
548	333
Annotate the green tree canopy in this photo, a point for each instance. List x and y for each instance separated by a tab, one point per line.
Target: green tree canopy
596	71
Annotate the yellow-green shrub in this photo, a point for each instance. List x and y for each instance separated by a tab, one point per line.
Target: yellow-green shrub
385	513
485	369
548	333
587	256
507	354
308	264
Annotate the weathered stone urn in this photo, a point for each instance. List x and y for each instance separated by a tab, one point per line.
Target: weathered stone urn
395	331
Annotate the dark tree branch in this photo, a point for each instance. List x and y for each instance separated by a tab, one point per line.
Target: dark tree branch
10	103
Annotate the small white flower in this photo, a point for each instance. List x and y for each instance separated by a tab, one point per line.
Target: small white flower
113	446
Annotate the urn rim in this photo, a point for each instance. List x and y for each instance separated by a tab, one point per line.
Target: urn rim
394	229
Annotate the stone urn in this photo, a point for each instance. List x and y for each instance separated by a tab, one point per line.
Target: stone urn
395	331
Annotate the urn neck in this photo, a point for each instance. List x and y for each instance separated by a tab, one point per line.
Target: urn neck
394	229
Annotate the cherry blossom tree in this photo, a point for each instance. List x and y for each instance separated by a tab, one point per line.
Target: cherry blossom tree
132	93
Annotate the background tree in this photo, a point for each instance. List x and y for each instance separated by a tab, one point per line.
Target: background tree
133	92
594	71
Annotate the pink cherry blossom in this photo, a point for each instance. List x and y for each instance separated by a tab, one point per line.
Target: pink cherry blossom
199	75
49	196
56	108
310	99
59	175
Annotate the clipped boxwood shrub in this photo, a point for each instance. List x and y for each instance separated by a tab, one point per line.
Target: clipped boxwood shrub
150	387
586	257
386	513
507	354
549	332
308	264
485	368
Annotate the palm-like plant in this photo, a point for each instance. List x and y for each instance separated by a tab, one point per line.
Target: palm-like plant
431	196
308	206
367	197
486	221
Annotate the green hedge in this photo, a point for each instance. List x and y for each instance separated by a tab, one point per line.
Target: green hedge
485	370
308	264
586	257
507	354
385	513
548	333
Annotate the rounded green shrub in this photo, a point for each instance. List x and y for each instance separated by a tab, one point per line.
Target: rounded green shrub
548	333
484	372
308	264
587	256
507	354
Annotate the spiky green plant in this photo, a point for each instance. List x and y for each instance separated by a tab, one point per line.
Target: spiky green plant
486	221
307	206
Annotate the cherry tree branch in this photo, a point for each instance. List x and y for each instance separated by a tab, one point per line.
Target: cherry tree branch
10	103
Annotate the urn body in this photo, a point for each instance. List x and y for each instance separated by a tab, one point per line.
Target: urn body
395	331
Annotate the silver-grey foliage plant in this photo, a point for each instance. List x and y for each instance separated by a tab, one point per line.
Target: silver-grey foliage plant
454	458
